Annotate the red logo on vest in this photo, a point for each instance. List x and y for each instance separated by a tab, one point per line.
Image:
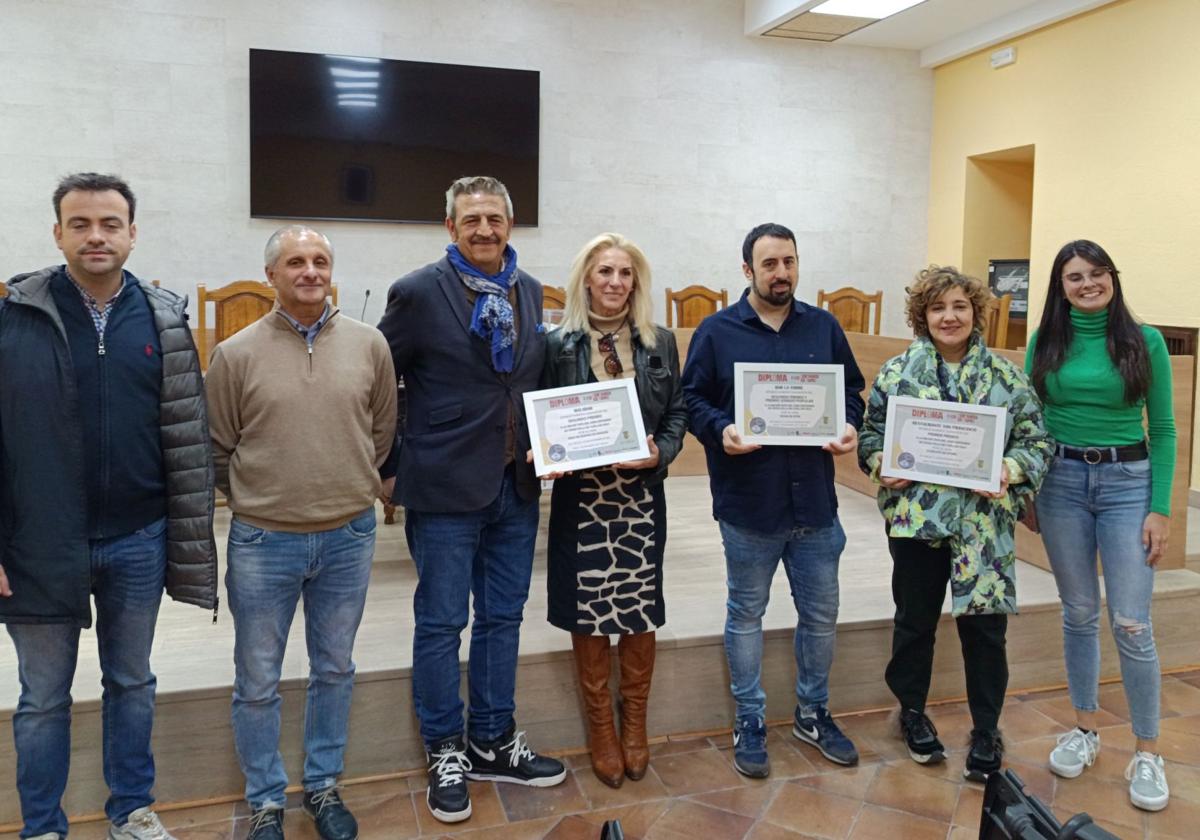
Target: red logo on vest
149	350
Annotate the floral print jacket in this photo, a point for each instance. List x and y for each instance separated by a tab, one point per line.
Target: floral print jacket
979	530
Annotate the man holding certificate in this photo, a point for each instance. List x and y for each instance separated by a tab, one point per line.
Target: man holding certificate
954	435
767	383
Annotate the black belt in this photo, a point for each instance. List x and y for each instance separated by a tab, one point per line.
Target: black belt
1104	454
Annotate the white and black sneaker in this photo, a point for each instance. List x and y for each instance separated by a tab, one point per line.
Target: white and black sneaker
448	798
509	759
920	735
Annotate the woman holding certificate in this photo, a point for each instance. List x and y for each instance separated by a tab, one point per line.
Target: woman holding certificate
939	533
608	524
1105	380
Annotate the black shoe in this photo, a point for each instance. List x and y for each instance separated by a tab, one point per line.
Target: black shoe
985	755
921	736
448	798
266	824
509	759
334	820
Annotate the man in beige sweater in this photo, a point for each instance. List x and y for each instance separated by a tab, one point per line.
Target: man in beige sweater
302	407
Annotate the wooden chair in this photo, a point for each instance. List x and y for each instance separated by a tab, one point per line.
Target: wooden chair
554	303
693	304
852	308
995	321
235	307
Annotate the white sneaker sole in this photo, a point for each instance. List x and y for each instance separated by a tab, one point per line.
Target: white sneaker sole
1149	804
540	781
927	758
1065	772
447	816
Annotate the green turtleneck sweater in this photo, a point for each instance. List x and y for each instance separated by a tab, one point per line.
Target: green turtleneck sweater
1085	400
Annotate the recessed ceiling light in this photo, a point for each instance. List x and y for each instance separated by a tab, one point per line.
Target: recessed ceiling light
874	9
356	85
355	103
346	97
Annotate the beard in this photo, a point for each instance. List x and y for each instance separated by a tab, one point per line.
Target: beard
774	298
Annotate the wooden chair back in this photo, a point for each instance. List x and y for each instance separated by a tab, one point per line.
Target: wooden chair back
3	289
852	308
691	305
554	302
235	307
995	321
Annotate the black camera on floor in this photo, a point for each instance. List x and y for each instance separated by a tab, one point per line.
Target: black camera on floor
1009	813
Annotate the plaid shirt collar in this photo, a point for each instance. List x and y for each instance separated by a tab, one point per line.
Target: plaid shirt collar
309	334
98	311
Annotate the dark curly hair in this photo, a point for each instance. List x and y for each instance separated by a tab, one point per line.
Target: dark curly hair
933	282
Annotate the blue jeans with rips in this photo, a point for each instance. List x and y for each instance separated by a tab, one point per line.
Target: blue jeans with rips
810	558
488	555
269	572
128	575
1084	507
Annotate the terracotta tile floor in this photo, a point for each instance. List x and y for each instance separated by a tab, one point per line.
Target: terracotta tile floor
692	792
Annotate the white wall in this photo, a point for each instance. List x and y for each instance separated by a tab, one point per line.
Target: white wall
660	120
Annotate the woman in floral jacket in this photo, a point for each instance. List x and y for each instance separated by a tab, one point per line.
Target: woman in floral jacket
938	533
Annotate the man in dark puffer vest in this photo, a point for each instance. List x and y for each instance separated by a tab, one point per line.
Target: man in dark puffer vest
106	490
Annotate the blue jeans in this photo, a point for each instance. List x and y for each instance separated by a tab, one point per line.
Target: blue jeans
269	571
487	554
1084	507
128	574
810	558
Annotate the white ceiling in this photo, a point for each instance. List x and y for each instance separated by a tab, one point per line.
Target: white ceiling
941	30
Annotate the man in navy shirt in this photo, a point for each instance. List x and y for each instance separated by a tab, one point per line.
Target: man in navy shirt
774	502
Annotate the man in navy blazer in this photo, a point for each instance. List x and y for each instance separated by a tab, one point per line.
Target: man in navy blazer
466	336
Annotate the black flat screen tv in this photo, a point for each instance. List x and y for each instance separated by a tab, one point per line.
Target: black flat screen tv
368	139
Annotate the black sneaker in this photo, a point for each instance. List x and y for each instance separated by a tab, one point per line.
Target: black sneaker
334	820
816	726
448	798
266	824
985	755
509	759
921	736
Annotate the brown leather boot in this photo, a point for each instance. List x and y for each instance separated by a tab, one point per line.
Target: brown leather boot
593	665
636	653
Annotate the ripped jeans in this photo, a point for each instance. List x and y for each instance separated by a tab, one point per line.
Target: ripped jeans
1084	507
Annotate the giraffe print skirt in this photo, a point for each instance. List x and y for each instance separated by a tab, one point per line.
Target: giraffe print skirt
607	530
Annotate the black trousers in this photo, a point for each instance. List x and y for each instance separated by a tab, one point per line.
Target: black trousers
920	573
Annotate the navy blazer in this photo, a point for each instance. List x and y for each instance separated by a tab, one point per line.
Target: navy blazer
452	446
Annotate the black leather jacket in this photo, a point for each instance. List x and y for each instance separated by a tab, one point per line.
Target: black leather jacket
656	377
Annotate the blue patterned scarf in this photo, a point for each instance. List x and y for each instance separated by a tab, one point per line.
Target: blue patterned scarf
492	319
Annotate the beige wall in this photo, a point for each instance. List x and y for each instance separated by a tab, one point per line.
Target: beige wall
1110	103
997	213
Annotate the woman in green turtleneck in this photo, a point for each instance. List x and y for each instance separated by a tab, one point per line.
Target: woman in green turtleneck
1105	380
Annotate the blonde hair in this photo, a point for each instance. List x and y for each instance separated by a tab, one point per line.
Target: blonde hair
641	307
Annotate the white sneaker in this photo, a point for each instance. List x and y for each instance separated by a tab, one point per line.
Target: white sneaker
49	835
143	824
1147	782
1076	751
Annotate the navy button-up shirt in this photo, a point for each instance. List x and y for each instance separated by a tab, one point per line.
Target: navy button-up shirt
774	488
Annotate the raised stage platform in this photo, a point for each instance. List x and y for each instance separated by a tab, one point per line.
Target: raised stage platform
193	659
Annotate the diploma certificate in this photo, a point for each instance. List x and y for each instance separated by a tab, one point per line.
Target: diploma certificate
956	444
582	426
789	405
